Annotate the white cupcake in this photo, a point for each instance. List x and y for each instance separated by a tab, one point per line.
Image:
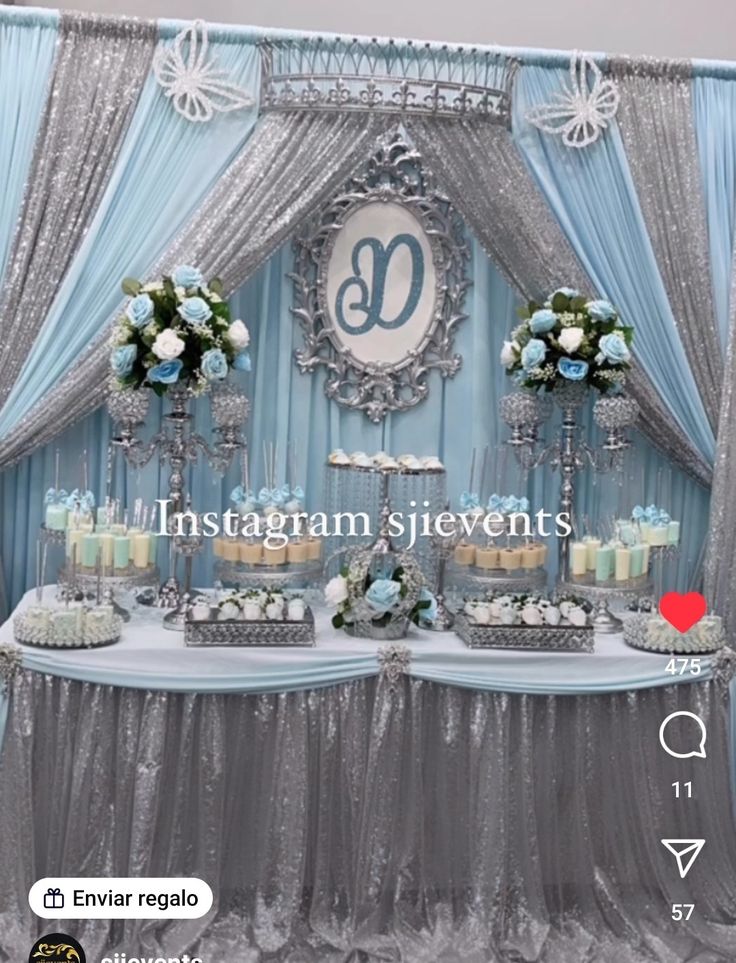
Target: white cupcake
530	615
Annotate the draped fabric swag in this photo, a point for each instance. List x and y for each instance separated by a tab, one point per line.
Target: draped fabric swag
546	214
98	76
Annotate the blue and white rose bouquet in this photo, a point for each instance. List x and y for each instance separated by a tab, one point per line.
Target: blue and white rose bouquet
383	597
177	331
569	338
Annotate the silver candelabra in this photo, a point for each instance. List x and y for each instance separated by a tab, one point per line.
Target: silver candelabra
177	444
524	412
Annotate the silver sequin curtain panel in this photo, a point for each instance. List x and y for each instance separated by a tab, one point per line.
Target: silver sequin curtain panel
655	119
292	162
100	68
354	823
481	169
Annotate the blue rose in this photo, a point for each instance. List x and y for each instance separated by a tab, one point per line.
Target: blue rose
614	349
542	321
428	614
533	354
122	360
185	276
568	292
572	370
600	310
242	361
166	373
140	310
383	595
195	310
214	365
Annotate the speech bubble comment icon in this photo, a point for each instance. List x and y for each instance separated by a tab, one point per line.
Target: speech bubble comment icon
698	731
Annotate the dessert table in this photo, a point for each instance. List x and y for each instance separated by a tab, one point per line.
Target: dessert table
410	801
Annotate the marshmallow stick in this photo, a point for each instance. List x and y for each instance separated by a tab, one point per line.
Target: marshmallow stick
244	468
265	463
153	517
274	457
38	570
144	518
44	556
56	470
85	472
484	467
472	471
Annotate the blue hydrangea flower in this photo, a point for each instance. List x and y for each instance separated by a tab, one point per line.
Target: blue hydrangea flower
140	310
542	321
122	360
167	373
600	310
195	310
383	595
186	276
573	370
533	353
214	365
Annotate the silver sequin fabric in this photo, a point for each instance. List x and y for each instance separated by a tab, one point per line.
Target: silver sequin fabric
414	823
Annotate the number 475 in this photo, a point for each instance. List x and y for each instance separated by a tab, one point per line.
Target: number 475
682	911
683	666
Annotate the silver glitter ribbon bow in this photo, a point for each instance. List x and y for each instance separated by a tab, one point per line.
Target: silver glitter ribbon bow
394	661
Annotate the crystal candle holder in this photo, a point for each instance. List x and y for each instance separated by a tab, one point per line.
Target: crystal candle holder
229	407
128	407
615	412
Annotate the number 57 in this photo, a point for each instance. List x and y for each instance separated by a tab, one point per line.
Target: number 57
682	911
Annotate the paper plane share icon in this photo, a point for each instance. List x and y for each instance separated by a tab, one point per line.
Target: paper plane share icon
685	851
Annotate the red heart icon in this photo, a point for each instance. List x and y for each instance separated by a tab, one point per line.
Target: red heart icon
682	611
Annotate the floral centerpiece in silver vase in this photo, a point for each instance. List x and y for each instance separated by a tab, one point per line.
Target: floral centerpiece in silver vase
381	590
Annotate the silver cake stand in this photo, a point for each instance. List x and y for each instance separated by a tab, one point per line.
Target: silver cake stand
492	580
126	581
294	575
602	594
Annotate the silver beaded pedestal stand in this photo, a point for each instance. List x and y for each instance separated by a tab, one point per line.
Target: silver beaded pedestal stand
80	584
292	575
524	412
177	443
470	578
601	595
188	543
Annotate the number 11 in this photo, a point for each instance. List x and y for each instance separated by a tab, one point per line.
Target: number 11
687	788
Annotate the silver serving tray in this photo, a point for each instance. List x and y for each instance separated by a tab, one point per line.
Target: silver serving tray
552	638
264	632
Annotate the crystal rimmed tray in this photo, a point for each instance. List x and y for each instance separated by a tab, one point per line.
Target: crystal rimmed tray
705	637
28	634
548	638
263	632
243	575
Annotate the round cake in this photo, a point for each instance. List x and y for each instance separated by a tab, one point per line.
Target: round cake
651	632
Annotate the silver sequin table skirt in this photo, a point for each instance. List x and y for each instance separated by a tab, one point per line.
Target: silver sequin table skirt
418	823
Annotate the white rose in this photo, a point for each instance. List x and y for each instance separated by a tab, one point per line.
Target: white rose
180	292
238	335
509	353
570	339
531	615
336	591
168	345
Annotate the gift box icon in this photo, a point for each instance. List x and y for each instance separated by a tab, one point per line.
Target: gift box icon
53	899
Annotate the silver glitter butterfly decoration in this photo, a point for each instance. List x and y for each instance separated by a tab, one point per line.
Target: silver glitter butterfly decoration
579	112
196	88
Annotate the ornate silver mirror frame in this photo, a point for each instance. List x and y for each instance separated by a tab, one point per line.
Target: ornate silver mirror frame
378	365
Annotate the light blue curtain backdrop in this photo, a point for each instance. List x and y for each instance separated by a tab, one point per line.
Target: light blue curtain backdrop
459	414
166	166
714	105
28	49
593	196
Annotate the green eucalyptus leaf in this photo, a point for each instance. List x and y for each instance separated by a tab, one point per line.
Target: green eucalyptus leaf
131	287
215	285
560	302
522	312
